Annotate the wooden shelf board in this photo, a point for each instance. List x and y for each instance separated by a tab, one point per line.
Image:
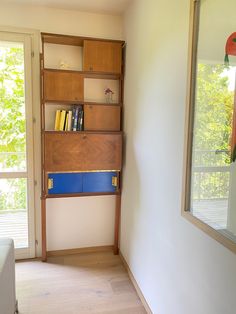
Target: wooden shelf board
102	75
79	195
70	103
83	171
87	74
61	39
82	132
62	102
91	103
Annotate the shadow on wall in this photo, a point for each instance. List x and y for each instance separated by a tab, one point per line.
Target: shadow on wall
131	183
130	201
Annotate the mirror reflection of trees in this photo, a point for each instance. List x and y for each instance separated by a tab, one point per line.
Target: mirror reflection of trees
212	131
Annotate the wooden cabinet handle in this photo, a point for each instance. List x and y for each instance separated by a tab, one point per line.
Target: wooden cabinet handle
84	137
90	107
90	68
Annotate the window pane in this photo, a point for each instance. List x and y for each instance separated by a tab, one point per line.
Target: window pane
12	108
13	211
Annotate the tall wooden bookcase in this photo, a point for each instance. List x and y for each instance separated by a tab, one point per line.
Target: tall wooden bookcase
97	149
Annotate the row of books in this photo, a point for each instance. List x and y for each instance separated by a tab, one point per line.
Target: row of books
69	120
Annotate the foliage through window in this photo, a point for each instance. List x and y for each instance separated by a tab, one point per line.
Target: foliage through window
13	125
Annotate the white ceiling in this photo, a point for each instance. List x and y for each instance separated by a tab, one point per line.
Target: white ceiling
99	6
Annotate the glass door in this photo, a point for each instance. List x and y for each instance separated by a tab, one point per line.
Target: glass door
16	144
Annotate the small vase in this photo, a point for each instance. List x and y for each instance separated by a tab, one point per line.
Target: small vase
111	98
108	98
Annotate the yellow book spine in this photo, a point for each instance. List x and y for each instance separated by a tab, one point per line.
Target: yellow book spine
62	120
57	120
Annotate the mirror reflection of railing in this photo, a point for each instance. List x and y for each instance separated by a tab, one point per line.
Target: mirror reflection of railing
210	174
210	189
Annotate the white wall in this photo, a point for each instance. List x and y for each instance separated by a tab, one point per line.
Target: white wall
63	214
81	222
180	269
61	21
217	23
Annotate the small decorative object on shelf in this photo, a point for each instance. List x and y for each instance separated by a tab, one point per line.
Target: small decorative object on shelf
63	65
108	95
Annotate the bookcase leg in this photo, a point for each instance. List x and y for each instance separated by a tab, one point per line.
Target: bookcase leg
117	224
43	217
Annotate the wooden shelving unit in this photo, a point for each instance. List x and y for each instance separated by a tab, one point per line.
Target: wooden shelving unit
98	148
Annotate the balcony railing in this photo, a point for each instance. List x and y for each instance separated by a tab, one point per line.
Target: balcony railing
12	161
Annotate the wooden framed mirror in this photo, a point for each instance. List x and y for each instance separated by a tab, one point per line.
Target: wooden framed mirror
209	185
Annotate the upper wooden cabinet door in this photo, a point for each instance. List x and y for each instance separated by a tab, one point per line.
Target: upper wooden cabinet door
101	118
63	86
102	56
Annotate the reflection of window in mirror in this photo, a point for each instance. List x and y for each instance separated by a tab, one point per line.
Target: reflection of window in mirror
210	178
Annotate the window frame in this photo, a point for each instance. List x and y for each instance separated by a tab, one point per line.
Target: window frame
189	118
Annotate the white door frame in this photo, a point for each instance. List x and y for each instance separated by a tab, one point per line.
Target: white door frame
26	37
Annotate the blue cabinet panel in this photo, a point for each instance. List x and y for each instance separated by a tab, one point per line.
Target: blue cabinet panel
99	182
63	183
87	182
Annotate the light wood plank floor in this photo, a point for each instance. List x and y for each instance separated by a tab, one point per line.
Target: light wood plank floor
76	284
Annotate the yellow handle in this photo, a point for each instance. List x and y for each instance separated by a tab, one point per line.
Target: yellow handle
114	181
50	184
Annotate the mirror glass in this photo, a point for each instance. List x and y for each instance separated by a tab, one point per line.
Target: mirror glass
213	171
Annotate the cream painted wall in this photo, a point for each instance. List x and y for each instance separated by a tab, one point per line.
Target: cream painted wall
66	228
217	24
88	222
61	21
179	269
